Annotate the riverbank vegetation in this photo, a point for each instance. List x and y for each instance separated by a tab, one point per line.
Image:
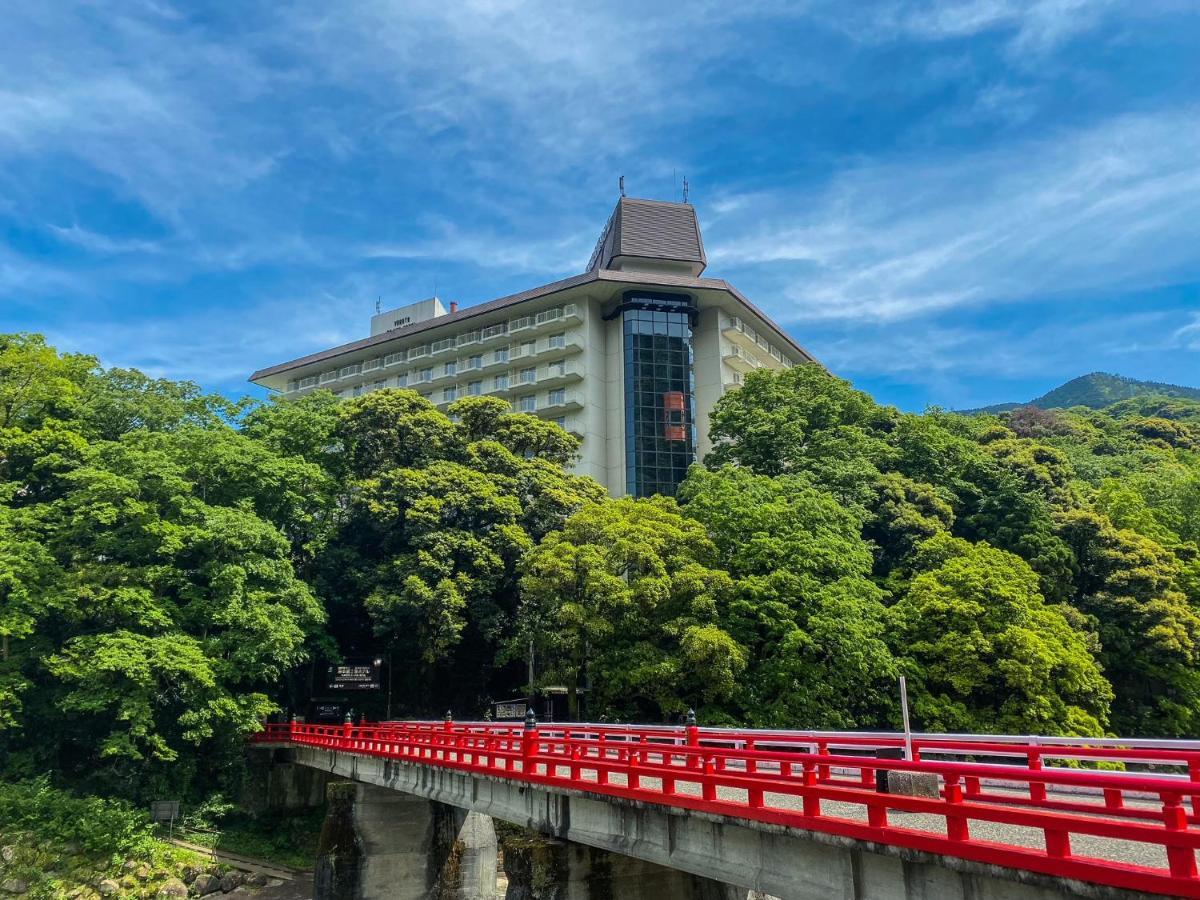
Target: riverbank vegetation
175	566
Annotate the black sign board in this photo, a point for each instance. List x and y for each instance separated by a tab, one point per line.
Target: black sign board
510	709
357	674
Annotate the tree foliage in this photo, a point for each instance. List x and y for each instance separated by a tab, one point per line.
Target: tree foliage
174	566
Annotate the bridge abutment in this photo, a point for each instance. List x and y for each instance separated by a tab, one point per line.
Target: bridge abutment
378	844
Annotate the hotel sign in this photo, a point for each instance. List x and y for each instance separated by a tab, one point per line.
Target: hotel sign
357	674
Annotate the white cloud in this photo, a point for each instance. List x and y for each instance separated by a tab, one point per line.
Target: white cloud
1188	336
1033	26
1112	207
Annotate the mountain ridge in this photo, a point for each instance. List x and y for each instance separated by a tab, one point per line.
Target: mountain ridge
1095	390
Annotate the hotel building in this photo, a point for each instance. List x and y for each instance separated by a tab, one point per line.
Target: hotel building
630	356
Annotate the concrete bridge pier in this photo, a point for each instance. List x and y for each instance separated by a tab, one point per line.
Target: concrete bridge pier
545	868
379	844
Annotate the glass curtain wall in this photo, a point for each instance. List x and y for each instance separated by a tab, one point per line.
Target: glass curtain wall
660	420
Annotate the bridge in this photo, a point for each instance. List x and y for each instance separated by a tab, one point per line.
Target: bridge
666	812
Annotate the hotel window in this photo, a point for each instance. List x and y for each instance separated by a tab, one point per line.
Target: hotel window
528	348
475	362
451	368
561	422
448	394
381	384
402	380
358	389
558	341
660	432
474	388
529	376
425	375
557	397
501	355
527	404
557	368
500	383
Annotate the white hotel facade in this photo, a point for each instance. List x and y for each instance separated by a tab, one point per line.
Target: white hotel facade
630	356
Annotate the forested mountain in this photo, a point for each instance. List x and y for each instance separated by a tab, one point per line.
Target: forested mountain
174	566
1096	391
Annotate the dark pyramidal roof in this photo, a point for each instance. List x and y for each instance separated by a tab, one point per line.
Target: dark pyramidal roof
651	230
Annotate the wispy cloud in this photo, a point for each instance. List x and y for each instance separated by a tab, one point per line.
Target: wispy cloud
1113	207
1188	336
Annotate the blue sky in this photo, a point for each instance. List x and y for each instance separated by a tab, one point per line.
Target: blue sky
949	203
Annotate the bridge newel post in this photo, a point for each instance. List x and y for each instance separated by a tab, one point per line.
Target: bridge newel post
692	731
632	778
529	740
347	728
1180	860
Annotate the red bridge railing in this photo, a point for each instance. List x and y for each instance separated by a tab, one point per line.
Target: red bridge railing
1022	811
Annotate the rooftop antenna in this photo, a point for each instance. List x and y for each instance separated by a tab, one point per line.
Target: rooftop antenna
378	300
685	189
621	185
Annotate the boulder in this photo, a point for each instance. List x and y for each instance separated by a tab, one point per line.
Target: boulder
129	866
107	887
256	879
14	885
206	884
142	873
230	881
172	888
190	873
7	854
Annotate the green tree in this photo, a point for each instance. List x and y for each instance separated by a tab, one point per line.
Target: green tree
985	653
802	603
803	420
626	595
436	517
1129	588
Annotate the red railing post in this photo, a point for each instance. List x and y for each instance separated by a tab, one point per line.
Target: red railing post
812	803
1180	860
632	779
956	825
709	784
751	764
1037	789
1194	776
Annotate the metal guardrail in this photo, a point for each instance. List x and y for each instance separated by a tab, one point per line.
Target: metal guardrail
753	775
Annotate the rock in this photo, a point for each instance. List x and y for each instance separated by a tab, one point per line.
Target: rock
14	885
142	873
230	881
190	873
107	887
257	879
129	882
173	887
7	853
206	884
274	882
129	866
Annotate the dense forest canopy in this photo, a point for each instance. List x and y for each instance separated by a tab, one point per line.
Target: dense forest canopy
175	566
